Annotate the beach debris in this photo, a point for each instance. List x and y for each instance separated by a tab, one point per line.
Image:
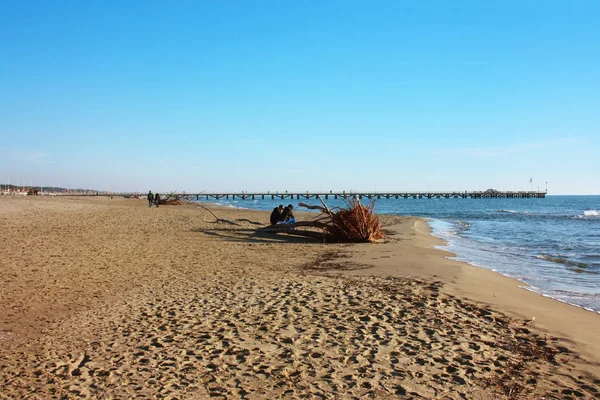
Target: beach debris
218	220
529	321
357	223
171	199
526	350
331	261
249	221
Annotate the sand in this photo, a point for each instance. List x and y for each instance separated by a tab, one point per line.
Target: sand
107	298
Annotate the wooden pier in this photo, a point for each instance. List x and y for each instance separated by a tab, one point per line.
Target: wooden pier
372	195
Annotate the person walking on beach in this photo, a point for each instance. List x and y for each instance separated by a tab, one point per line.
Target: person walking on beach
157	199
150	198
287	216
276	214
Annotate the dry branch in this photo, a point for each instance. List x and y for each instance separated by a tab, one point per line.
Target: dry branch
322	209
356	223
170	199
217	218
287	227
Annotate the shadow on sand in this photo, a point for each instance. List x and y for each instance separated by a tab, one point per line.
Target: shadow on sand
247	235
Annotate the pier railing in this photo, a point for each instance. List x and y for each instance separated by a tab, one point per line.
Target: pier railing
367	195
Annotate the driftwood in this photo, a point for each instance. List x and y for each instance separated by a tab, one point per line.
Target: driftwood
174	199
217	218
249	221
289	227
170	199
322	209
356	223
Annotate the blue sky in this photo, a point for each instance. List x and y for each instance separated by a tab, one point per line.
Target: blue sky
226	95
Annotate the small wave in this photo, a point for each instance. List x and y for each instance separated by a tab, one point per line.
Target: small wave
561	260
462	225
587	214
563	299
230	205
582	271
502	211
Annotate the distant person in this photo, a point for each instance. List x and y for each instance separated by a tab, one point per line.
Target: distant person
157	199
150	198
287	216
276	214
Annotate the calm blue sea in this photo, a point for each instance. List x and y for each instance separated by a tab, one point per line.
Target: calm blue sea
551	244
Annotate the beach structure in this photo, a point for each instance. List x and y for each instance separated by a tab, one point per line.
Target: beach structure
488	194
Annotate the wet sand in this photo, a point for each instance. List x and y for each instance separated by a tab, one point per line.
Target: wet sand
106	298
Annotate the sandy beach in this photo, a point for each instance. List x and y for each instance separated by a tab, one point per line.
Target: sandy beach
107	298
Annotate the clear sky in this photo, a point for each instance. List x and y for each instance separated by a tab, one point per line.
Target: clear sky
228	95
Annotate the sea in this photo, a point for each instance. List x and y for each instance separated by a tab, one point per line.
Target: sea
550	244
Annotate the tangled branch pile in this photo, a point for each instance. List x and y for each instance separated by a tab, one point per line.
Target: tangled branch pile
355	224
171	199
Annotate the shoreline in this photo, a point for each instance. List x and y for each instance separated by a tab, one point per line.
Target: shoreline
449	243
477	284
548	293
104	297
443	246
522	284
566	321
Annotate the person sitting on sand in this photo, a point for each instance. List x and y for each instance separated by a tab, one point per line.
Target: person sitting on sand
157	199
287	216
276	214
150	198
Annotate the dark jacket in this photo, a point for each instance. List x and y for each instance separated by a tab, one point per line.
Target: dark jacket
157	197
150	196
275	216
286	214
